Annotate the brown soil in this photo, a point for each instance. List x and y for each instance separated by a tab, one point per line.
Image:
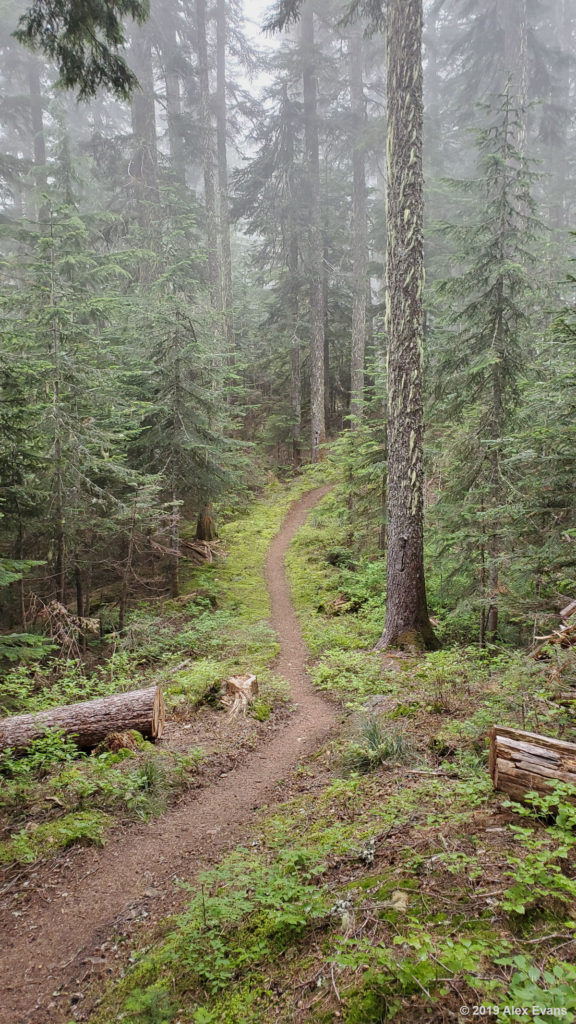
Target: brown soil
62	938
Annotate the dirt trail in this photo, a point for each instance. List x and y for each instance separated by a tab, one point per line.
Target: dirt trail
57	938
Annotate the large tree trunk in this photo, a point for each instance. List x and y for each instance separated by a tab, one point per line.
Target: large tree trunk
205	525
221	133
315	253
407	621
91	720
359	231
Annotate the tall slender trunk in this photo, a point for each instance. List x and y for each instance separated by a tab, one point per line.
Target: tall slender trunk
564	40
174	108
407	622
208	157
359	230
144	161
59	519
328	403
495	486
129	548
175	546
21	587
295	361
295	398
496	410
224	220
292	262
38	137
79	590
315	251
515	71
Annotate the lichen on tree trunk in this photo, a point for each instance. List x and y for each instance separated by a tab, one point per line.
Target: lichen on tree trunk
407	621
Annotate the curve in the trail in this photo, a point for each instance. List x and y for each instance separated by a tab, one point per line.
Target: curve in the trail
56	939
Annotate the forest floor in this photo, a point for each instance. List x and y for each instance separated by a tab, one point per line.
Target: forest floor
52	945
349	862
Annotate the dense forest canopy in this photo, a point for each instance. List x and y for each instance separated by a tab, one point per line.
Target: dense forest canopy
193	293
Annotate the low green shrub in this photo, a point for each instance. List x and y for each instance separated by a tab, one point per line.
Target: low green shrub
41	756
351	675
30	844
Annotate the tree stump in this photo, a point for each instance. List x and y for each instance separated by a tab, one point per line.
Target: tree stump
239	692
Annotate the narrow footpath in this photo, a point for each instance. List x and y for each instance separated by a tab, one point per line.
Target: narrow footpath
55	942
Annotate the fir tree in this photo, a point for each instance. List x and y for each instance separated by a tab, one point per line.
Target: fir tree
486	346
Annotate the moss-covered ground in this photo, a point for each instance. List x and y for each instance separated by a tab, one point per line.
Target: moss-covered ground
57	795
392	883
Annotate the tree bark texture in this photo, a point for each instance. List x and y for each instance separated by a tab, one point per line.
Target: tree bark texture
91	720
524	761
315	249
359	230
407	621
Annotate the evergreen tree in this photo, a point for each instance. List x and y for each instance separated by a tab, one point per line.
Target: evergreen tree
490	325
407	621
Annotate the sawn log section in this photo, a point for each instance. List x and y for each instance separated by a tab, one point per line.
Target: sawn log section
522	761
91	720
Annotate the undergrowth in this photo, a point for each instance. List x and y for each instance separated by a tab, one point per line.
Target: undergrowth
400	887
189	646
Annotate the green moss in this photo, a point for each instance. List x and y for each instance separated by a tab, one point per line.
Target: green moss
352	675
191	685
31	844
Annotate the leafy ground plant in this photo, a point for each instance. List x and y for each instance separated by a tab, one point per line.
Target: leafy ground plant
378	745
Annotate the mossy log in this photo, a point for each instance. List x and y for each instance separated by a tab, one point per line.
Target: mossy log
90	720
522	761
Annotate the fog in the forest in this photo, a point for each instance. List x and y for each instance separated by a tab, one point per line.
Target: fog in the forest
194	282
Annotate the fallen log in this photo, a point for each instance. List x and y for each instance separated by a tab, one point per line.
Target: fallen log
90	720
522	761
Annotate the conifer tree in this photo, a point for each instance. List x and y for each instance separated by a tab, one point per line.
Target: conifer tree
489	335
407	621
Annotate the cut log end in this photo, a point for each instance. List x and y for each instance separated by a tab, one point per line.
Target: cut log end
158	714
523	761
